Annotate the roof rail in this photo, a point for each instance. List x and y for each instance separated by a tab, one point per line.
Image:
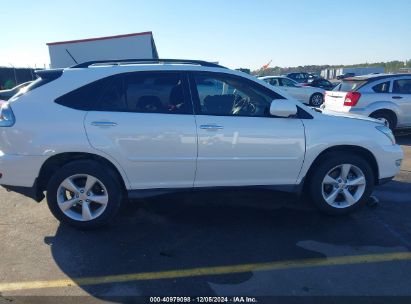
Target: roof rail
145	61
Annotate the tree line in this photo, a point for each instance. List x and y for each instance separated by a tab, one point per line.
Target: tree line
389	67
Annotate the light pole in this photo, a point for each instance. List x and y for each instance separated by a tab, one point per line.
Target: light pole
15	75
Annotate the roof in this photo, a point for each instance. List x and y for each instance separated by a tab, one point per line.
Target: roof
266	77
100	38
375	77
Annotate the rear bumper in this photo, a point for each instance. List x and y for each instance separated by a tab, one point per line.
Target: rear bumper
19	173
31	192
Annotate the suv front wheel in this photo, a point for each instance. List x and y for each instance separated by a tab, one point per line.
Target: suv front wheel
341	183
84	194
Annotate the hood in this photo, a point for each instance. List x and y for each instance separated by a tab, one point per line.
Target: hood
352	116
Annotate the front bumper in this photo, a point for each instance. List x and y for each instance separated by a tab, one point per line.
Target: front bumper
389	161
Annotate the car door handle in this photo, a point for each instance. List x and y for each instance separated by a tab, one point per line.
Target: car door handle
211	127
396	97
104	123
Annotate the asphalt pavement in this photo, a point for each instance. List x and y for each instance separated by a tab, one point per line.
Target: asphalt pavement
252	243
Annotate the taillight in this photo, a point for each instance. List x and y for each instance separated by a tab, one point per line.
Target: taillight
351	99
6	116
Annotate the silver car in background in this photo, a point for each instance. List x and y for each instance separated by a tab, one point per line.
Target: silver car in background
382	96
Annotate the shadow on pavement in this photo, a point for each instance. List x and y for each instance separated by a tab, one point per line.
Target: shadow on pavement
403	137
203	229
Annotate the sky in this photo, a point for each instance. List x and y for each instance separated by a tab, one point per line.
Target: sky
236	33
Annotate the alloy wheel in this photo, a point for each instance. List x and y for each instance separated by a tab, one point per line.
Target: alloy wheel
343	186
82	197
317	100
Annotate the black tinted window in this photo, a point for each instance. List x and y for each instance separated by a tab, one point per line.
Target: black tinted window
287	82
324	82
382	87
402	86
156	93
84	98
131	92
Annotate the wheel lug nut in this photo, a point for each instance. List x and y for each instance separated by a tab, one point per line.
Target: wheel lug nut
88	193
87	201
81	191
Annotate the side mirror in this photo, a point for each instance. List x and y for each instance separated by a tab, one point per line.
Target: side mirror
282	108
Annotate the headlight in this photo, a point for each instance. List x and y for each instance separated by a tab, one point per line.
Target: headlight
387	131
6	116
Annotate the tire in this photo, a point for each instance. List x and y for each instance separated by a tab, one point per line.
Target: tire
389	118
316	99
88	209
333	164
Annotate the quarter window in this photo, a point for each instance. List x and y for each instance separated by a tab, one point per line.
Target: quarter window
85	97
402	86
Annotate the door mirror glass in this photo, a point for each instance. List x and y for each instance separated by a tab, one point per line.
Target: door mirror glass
282	108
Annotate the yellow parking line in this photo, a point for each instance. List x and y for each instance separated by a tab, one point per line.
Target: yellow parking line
209	271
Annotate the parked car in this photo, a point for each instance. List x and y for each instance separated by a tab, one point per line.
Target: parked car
301	77
382	96
346	75
320	83
306	94
7	94
88	138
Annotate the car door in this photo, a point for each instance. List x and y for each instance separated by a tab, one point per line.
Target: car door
145	121
290	87
401	95
239	143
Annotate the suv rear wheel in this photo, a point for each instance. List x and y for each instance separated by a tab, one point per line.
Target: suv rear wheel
341	183
84	194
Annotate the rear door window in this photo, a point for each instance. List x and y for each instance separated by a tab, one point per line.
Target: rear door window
382	87
274	82
287	82
158	93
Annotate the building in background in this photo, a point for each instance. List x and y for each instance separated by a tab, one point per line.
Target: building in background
130	46
332	73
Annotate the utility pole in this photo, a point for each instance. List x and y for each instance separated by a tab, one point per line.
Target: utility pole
15	75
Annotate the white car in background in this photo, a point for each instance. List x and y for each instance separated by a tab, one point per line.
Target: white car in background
386	97
305	94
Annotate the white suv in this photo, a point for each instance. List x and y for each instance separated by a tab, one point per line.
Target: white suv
382	96
97	133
